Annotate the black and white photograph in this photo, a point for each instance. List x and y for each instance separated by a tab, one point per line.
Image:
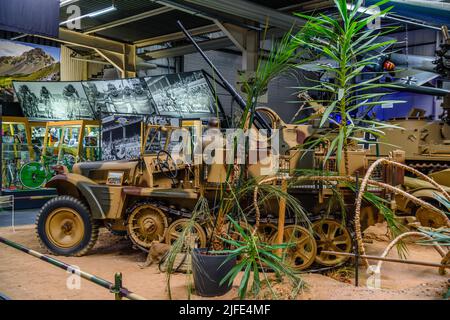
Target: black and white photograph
124	96
121	138
182	95
53	100
163	121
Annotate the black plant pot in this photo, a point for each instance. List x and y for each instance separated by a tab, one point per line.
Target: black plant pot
208	271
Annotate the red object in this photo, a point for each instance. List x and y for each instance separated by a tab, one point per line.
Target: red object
389	65
59	169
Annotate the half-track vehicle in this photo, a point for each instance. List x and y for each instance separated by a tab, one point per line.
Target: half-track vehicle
128	196
152	197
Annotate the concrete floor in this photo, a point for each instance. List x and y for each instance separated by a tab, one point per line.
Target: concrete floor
21	217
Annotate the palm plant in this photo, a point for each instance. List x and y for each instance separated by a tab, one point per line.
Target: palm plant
349	49
255	256
254	252
282	58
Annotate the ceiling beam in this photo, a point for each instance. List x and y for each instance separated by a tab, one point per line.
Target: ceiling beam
90	60
185	7
130	19
234	33
78	39
252	11
176	36
214	44
113	58
309	6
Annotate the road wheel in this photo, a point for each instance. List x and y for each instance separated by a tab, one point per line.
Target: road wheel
64	226
303	247
146	224
331	235
431	219
176	229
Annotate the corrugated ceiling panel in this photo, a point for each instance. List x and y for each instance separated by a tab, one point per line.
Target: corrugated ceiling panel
154	26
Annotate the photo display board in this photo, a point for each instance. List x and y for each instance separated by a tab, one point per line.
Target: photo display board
123	96
183	95
121	137
43	101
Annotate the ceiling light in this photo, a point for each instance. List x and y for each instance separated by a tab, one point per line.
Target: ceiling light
67	2
91	15
103	11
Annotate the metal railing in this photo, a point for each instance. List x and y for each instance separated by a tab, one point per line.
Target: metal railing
116	288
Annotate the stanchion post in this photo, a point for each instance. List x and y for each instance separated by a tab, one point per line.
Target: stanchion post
117	285
356	243
281	218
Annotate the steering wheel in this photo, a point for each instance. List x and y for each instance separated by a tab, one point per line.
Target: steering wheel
168	163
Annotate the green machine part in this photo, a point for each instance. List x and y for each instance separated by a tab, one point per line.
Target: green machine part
33	175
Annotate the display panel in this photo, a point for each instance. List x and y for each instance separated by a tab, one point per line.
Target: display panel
53	100
37	138
124	96
15	152
185	95
121	137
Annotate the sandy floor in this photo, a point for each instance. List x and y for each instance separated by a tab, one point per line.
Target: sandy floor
25	277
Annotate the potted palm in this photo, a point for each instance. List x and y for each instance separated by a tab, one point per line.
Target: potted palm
255	256
212	267
208	268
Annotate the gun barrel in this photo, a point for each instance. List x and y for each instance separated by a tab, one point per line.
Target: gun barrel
240	101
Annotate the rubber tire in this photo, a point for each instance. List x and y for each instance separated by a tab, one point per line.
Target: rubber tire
91	228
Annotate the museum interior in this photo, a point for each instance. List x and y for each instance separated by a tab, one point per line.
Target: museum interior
226	149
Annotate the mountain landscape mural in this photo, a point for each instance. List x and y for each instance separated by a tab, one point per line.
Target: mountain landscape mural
27	62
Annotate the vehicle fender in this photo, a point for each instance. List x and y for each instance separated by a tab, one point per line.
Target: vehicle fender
423	194
79	187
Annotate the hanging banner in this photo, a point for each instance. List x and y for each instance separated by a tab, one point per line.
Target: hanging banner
30	16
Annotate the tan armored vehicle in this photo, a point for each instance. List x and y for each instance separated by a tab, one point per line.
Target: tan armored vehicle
425	142
425	191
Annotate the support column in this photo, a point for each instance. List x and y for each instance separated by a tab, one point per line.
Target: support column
71	69
250	55
247	41
129	61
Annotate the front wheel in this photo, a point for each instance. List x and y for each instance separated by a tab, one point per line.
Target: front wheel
65	227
